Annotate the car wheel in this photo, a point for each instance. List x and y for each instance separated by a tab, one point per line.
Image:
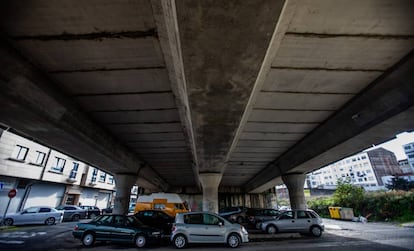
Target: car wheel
140	241
233	240
316	231
180	241
271	229
239	220
76	217
50	221
8	222
88	239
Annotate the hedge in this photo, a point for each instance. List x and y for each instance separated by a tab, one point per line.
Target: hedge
376	206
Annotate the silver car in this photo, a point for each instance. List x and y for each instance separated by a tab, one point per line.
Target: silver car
72	213
34	215
204	227
295	221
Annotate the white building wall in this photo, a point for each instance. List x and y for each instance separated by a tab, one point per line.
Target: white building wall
94	197
357	168
47	185
102	179
409	152
45	194
24	168
52	174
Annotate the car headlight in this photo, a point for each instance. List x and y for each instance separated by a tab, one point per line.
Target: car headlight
244	231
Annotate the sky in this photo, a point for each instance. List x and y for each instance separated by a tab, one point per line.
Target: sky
396	145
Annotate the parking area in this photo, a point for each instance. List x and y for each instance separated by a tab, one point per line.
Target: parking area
341	235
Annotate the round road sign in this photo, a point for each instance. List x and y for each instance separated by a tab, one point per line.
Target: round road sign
12	193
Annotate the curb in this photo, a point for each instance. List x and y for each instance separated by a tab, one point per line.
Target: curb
408	225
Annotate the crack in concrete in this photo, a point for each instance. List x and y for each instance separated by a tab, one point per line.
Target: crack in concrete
325	69
326	35
91	36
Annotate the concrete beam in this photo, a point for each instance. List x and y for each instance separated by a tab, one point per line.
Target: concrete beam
168	33
31	104
388	96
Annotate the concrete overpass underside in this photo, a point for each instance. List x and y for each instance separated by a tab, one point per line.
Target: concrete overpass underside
185	94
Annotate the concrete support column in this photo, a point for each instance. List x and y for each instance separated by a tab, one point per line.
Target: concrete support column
124	183
295	183
210	183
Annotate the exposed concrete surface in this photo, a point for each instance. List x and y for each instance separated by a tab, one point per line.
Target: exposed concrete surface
252	90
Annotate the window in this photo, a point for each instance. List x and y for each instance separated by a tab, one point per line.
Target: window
111	179
44	210
40	157
193	219
20	152
407	147
209	219
31	210
159	206
74	171
302	215
59	164
286	216
94	174
102	178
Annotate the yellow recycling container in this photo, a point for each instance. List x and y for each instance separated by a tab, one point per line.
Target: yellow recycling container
335	212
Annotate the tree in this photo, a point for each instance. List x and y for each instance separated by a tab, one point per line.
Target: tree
348	195
398	183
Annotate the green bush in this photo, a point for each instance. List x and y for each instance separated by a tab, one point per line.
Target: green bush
376	206
321	205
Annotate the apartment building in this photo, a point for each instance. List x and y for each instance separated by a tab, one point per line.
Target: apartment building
370	169
44	176
409	152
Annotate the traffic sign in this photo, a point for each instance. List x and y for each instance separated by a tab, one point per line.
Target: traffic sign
12	193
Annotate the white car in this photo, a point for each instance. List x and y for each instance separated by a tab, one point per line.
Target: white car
34	215
203	227
295	221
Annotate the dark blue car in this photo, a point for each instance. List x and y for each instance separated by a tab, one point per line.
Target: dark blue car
116	228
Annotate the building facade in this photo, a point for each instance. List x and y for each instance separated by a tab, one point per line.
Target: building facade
370	170
44	176
409	152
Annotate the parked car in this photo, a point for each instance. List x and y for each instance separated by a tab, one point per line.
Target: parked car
256	216
297	221
107	210
72	213
234	214
34	215
116	228
156	218
204	227
91	211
